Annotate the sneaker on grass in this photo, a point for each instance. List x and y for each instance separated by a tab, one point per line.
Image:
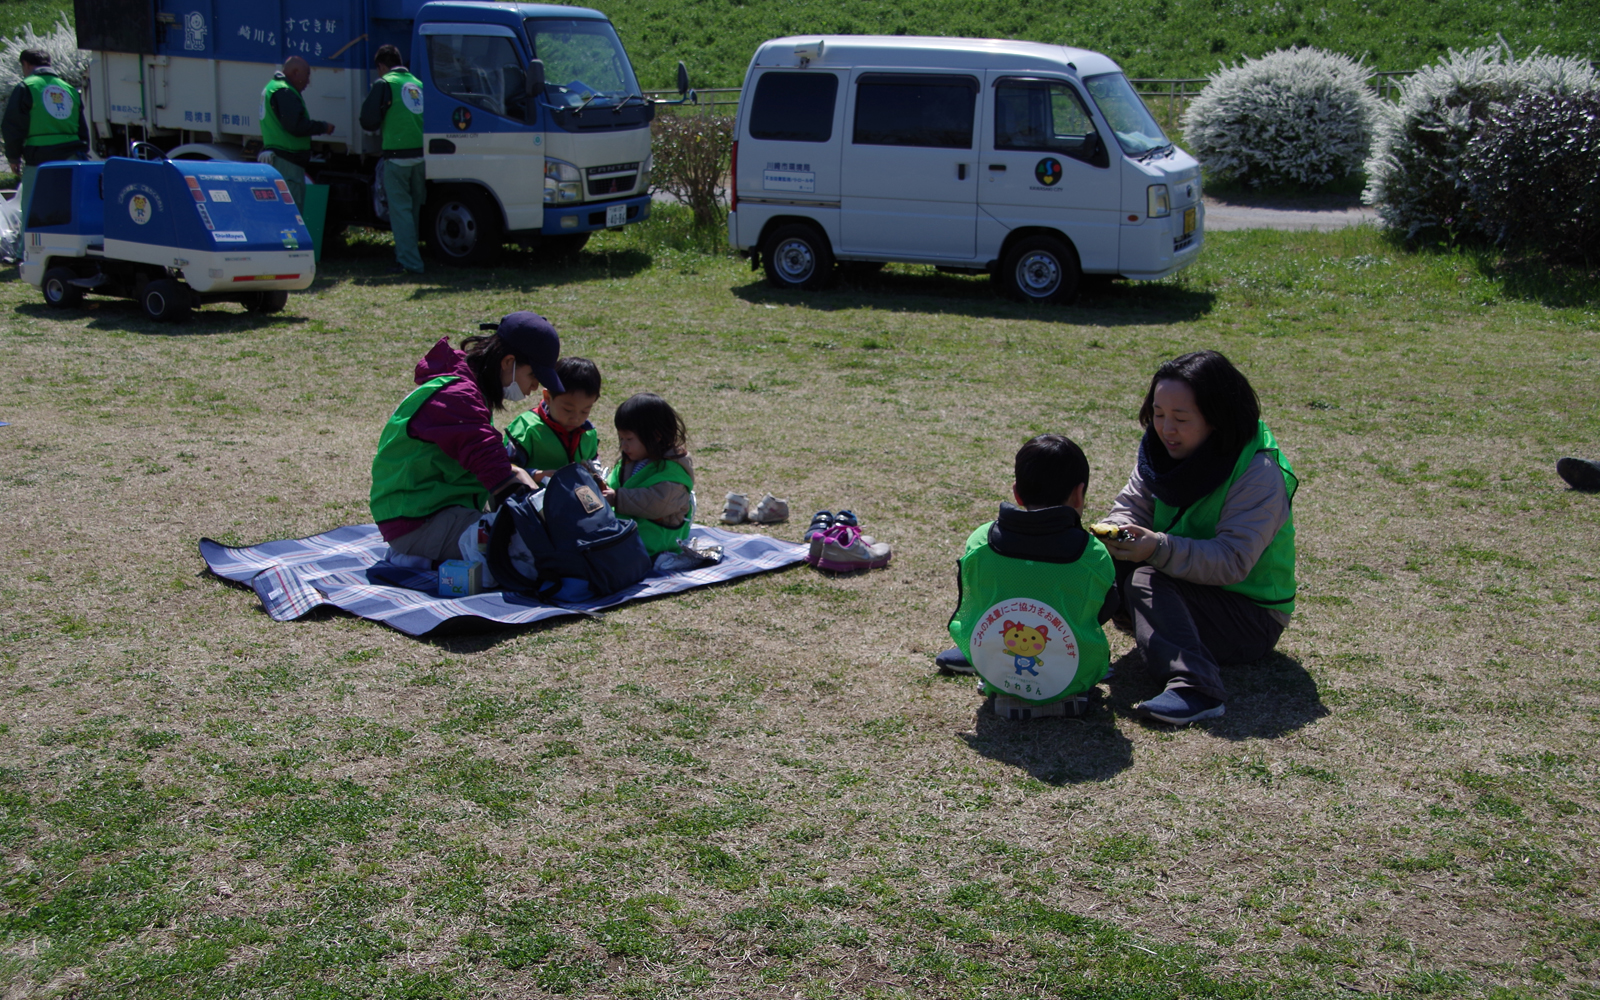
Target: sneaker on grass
951	661
1018	710
1179	707
1580	474
843	550
734	508
770	510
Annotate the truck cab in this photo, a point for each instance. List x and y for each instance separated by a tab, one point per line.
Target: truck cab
536	130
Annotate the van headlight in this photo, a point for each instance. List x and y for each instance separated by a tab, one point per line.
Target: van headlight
1160	201
644	171
563	182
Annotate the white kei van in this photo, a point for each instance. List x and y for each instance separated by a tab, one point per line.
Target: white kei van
1034	163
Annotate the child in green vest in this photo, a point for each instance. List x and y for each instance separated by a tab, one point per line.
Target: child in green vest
557	432
1035	587
653	482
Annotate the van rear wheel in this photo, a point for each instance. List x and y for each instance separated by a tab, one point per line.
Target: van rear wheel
1039	269
797	256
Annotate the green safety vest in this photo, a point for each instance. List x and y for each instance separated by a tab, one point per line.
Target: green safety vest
541	446
402	125
273	135
1031	629
657	538
412	478
53	119
1271	581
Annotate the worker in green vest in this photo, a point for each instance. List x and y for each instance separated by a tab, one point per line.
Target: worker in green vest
394	108
286	128
43	122
1206	556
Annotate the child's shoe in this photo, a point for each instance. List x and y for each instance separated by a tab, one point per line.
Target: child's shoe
821	521
954	661
734	508
843	550
846	519
770	510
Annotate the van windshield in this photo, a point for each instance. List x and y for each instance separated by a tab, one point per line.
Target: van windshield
1136	130
583	61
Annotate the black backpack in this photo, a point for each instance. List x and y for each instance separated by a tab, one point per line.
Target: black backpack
571	532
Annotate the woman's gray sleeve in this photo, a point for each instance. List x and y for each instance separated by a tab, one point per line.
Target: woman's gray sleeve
1257	505
1134	505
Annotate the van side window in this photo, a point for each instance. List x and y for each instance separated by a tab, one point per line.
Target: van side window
905	109
1044	115
481	70
794	107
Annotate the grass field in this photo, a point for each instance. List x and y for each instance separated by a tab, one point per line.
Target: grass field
763	789
1160	38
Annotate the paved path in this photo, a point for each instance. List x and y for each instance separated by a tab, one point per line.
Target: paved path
1320	213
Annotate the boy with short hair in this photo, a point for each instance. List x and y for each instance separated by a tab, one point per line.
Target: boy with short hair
557	432
1035	587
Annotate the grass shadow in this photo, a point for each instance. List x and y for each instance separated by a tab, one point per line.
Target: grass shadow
1267	699
127	316
1104	304
1056	751
1527	278
518	271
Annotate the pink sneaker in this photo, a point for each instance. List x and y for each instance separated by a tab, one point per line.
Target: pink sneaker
844	550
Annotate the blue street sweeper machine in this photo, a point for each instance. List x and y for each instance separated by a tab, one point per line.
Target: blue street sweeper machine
171	234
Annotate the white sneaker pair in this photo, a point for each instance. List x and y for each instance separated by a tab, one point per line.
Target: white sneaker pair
771	510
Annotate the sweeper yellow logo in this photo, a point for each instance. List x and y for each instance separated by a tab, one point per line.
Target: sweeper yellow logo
139	209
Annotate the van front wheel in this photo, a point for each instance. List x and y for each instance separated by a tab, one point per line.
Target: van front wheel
1039	269
797	256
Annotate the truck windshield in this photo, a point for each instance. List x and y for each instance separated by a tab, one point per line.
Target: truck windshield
583	61
1136	130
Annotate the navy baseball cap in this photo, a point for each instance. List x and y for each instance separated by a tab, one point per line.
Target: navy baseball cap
533	341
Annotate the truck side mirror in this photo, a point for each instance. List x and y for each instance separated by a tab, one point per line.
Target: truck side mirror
683	79
535	79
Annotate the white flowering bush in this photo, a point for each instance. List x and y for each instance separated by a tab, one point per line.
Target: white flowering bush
70	62
1415	174
1296	117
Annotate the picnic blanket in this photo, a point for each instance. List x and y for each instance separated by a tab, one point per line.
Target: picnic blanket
296	576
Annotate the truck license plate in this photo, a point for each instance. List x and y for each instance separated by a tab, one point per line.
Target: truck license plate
1188	221
616	215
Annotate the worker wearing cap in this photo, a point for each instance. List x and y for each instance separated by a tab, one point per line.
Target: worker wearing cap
394	108
440	460
43	122
286	127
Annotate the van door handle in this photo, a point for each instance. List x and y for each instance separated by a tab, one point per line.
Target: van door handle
997	166
961	171
441	146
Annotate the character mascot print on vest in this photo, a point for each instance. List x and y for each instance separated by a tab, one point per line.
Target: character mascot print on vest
1029	630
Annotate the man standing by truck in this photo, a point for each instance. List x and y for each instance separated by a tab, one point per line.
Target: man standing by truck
43	122
286	128
394	106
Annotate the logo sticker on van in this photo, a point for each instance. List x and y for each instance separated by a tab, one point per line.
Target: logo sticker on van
1048	170
788	177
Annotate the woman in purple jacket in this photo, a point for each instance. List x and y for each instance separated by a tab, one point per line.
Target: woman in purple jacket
439	459
1208	559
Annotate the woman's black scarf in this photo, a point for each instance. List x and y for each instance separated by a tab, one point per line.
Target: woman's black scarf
1183	482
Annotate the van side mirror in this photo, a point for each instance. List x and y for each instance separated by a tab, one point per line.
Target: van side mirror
683	79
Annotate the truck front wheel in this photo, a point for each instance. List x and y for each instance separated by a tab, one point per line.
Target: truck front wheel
464	229
797	256
1039	269
166	301
59	291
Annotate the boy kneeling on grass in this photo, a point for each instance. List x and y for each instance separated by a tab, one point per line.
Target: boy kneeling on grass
1035	588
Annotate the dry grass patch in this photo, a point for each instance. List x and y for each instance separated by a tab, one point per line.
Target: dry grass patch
761	789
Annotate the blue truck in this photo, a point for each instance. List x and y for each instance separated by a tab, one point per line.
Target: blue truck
536	129
171	234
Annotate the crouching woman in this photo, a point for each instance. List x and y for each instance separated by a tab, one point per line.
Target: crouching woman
1208	576
439	459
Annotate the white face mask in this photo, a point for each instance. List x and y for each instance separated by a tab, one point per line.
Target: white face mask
512	391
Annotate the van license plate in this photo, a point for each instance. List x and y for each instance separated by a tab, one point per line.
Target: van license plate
1188	221
617	215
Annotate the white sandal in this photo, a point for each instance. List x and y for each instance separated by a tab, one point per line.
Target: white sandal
734	508
771	510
